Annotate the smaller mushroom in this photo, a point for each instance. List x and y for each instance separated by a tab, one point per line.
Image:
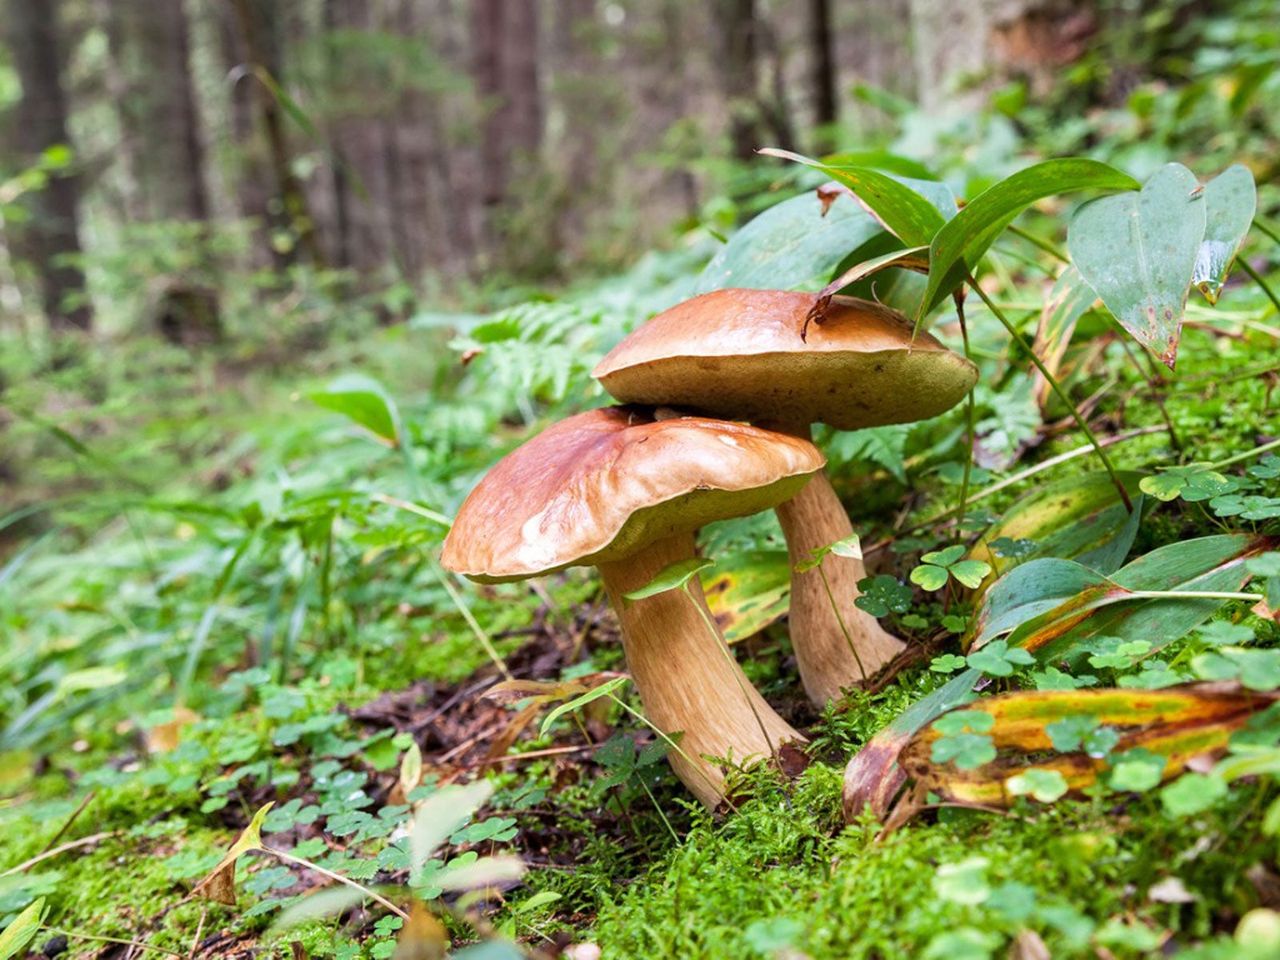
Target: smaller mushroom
619	490
741	354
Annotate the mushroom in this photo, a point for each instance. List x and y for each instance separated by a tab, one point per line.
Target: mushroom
619	490
740	354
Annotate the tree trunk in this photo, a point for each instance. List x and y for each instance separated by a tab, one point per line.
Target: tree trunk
254	44
504	39
952	46
162	102
739	33
50	240
823	71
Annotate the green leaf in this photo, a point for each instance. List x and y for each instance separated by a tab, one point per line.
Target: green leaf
947	663
22	931
964	882
882	594
1230	201
850	547
997	659
1138	251
962	242
672	577
747	591
791	246
929	577
440	815
581	701
967	751
970	572
1192	793
1136	771
945	557
1043	785
363	401
905	212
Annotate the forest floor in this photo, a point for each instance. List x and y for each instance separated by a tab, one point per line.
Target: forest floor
222	596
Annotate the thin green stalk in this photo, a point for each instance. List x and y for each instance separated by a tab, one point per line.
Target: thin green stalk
733	664
1040	242
656	806
469	617
1247	455
1267	230
671	744
848	638
1258	279
970	418
1057	389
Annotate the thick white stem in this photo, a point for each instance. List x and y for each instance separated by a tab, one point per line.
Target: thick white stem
686	678
828	660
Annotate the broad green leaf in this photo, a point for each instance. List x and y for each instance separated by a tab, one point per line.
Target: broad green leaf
327	902
1043	785
913	218
1162	731
440	815
1026	592
17	935
1079	517
912	258
969	572
1230	201
673	577
747	591
962	242
219	884
363	401
1065	630
790	246
929	577
485	872
850	547
577	702
1138	251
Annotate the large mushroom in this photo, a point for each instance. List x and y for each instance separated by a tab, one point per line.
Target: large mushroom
619	490
740	354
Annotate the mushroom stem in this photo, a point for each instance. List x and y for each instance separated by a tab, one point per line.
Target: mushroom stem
686	676
829	660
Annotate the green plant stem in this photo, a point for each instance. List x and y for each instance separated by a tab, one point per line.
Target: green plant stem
1247	455
835	608
662	816
469	617
1057	389
1267	230
970	418
733	665
1040	242
373	894
1260	281
671	744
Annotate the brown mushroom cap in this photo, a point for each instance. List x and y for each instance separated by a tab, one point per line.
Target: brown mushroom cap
600	485
738	353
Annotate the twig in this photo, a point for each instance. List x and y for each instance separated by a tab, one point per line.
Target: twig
72	845
70	820
533	754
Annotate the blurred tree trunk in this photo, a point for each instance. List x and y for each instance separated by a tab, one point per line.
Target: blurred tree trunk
739	36
952	51
50	239
362	141
575	78
253	22
162	105
823	76
504	37
111	17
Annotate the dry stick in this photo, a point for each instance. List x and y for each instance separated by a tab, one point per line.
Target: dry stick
128	943
195	941
1057	389
533	754
82	842
70	820
280	854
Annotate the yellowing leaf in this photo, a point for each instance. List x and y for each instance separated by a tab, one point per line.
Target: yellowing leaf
220	884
